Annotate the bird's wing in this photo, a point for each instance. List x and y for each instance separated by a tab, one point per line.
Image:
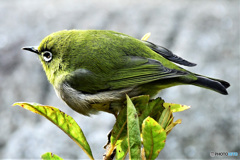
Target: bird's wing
135	71
168	54
86	81
139	70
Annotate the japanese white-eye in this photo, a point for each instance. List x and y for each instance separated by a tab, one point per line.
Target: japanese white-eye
93	70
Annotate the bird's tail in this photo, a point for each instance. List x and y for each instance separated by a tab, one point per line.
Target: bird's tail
217	85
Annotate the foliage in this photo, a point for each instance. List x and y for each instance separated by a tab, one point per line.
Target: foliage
140	130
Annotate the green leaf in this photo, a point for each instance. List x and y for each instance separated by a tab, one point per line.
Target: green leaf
134	138
50	156
121	149
154	137
146	107
176	107
146	36
157	107
119	130
171	125
140	103
170	121
165	117
63	121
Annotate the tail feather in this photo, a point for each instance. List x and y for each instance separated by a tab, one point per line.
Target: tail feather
224	83
217	85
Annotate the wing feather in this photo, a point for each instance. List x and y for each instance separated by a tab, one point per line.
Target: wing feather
168	54
147	71
135	71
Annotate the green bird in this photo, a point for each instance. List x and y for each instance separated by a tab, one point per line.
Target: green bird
93	70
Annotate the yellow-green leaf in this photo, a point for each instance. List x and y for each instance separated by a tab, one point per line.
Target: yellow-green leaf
157	108
146	107
146	36
176	107
173	124
50	156
133	130
63	121
118	132
165	117
121	149
154	137
120	128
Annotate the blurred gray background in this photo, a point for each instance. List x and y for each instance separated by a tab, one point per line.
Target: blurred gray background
204	32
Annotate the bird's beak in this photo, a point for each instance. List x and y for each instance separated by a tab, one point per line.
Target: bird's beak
31	49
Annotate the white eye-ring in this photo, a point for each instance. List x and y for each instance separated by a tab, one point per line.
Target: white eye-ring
47	56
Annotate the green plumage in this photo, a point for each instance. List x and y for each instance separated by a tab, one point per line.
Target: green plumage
99	67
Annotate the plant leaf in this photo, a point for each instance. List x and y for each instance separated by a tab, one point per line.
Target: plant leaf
176	107
50	156
63	121
121	149
119	130
146	107
142	108
171	125
157	108
166	114
134	138
146	36
154	137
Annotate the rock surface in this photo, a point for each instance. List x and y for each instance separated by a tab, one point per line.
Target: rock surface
205	32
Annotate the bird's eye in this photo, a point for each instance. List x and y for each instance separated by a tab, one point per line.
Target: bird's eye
47	56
